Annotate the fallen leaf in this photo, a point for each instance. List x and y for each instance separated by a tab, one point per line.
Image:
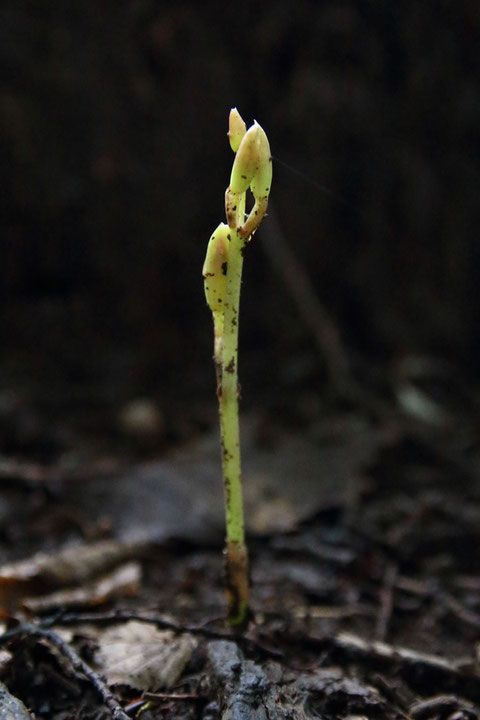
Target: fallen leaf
183	497
139	655
122	582
71	565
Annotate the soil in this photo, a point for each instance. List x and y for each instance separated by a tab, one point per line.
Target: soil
365	604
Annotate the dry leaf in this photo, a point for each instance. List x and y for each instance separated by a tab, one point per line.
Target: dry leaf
70	566
122	582
139	655
183	497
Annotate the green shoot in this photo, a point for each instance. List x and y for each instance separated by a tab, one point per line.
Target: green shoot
222	272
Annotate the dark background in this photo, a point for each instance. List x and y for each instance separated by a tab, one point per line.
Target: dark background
115	161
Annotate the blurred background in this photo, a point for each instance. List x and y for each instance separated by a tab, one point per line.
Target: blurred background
114	165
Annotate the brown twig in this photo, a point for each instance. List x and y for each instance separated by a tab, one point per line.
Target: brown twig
467	616
440	706
406	661
80	667
248	643
313	313
386	602
317	319
173	696
71	618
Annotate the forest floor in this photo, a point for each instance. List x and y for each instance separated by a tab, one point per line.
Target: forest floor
363	535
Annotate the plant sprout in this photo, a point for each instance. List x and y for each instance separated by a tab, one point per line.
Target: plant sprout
222	272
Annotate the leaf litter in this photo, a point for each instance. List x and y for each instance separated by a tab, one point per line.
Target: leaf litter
331	576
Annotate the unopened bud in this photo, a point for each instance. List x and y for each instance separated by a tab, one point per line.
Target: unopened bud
236	129
262	180
246	160
215	268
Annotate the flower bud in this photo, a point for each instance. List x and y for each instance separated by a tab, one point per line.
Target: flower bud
246	160
236	129
215	268
262	180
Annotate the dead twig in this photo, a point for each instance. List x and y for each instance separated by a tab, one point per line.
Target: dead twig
317	319
440	706
405	661
103	619
313	313
173	696
386	601
28	631
467	616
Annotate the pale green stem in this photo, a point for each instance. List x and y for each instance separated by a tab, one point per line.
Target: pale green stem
236	553
229	393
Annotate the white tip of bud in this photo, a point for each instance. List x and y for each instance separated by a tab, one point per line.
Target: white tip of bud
236	129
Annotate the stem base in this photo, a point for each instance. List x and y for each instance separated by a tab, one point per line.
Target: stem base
236	571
